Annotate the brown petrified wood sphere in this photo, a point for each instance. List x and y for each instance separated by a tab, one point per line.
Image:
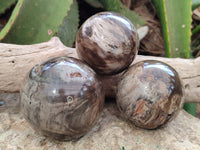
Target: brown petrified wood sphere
107	42
150	94
62	98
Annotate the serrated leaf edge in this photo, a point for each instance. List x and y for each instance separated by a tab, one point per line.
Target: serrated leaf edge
166	35
63	18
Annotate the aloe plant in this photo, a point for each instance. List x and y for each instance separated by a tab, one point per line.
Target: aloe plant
175	16
67	31
35	21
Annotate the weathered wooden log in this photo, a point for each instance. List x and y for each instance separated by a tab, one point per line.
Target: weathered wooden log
17	60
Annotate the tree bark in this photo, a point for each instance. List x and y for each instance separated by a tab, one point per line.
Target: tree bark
17	60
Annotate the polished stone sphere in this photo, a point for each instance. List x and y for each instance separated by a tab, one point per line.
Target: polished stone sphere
150	94
108	42
62	98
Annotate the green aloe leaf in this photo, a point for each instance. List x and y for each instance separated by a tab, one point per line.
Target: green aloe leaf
5	4
175	16
35	21
195	4
68	29
117	6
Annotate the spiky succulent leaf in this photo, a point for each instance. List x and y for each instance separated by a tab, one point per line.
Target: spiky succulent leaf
35	21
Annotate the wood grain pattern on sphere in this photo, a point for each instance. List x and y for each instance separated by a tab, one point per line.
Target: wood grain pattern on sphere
108	42
150	94
62	98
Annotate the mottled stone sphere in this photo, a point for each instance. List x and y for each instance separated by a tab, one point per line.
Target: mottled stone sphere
108	42
150	94
62	98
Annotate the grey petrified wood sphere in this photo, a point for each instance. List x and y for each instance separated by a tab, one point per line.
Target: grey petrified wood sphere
150	94
62	98
107	42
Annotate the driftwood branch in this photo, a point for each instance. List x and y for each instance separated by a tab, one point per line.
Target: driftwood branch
17	60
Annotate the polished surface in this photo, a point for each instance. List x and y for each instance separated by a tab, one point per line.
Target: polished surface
62	98
150	94
108	42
